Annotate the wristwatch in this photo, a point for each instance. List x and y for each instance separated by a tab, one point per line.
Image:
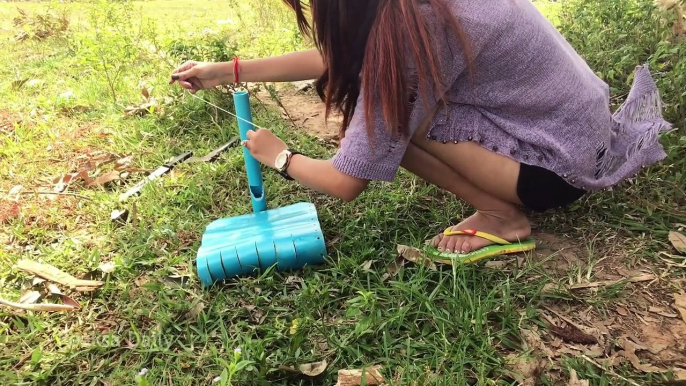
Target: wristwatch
283	160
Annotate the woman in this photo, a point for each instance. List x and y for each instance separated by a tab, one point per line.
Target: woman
484	99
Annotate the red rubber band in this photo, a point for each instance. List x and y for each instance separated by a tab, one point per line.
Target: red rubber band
235	70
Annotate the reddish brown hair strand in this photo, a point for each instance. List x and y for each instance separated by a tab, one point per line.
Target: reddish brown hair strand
364	44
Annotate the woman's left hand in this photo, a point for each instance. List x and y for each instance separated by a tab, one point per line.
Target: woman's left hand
264	146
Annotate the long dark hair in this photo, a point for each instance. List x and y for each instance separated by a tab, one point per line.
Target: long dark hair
363	44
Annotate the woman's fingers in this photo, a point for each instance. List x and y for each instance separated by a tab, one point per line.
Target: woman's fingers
183	72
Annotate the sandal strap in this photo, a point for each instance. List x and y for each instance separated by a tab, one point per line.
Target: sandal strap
474	232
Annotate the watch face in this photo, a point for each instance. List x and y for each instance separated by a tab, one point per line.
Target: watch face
281	160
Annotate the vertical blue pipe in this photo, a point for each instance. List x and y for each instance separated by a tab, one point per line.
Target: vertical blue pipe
242	102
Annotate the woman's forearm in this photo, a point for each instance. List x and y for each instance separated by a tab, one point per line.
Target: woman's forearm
323	177
297	66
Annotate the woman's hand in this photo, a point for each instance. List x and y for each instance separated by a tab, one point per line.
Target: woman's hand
264	146
195	76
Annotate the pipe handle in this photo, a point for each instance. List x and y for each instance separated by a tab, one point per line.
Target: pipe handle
241	101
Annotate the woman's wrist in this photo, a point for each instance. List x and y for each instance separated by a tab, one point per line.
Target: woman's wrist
226	73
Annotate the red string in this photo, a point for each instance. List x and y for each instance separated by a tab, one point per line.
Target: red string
235	70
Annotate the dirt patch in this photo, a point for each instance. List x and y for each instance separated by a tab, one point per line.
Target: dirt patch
596	313
306	111
8	121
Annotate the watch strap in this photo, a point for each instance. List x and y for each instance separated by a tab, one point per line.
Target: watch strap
284	173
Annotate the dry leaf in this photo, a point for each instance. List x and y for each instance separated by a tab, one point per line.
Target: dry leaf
572	334
497	264
525	370
15	190
680	304
56	275
123	163
371	376
629	353
635	279
38	307
195	310
532	341
97	159
662	311
622	311
105	179
107	267
313	369
575	381
119	215
66	300
678	241
393	268
367	266
55	291
256	315
145	93
416	256
30	297
63	182
143	109
295	279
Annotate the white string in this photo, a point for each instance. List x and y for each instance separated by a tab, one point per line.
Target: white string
228	112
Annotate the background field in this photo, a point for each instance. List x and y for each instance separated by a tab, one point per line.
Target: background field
599	300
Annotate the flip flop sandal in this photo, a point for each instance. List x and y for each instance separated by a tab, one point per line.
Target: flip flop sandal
502	247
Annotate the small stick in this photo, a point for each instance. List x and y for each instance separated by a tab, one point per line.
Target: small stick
58	194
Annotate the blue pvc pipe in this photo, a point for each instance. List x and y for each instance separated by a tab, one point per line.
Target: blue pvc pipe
242	102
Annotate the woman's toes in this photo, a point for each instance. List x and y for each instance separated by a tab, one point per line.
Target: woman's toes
436	240
466	247
443	245
452	242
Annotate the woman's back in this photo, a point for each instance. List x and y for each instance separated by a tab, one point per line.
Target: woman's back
532	96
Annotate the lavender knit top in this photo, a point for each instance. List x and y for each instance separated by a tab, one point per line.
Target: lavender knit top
534	99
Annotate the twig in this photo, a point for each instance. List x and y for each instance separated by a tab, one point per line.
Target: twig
23	360
276	99
609	371
58	194
634	279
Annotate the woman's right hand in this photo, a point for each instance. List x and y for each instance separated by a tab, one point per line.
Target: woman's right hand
195	76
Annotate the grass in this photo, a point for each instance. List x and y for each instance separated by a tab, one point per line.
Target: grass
450	326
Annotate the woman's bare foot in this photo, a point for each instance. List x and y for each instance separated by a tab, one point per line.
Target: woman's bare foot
511	225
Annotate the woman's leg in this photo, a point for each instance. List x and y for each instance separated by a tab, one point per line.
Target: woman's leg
483	179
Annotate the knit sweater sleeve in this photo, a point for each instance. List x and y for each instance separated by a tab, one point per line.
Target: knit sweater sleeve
380	158
376	159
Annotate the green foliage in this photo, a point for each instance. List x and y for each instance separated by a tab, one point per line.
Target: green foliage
265	27
615	36
40	25
208	46
113	43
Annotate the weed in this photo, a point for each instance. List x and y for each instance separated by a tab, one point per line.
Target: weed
40	25
111	47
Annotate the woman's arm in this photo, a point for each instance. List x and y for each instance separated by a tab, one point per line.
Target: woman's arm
297	66
318	175
304	65
322	176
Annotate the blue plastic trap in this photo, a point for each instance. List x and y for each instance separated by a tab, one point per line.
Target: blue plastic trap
288	238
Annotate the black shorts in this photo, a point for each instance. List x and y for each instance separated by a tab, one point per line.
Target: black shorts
540	189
